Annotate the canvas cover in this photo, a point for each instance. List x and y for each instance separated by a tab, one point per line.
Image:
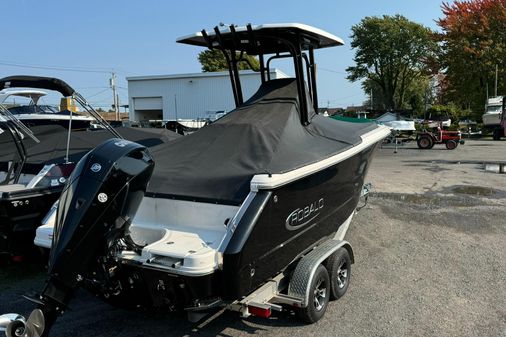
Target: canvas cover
53	142
264	135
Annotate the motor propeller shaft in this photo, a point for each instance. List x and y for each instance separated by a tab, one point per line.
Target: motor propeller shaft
15	325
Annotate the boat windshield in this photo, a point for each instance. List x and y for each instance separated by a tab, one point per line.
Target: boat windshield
493	109
33	109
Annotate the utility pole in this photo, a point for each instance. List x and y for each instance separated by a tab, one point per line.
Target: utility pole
112	82
371	101
117	107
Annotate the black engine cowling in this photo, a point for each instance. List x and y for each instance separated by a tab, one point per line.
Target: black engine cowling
96	207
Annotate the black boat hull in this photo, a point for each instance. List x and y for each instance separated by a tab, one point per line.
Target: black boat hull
21	212
294	218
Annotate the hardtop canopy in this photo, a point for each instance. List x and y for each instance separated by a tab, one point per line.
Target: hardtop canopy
34	95
263	39
279	40
49	83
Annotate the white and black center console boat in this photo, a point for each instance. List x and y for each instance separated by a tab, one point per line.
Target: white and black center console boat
242	213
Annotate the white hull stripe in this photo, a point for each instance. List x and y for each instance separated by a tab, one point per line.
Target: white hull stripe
22	117
264	182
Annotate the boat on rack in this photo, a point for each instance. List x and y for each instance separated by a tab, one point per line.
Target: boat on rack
247	213
34	114
36	162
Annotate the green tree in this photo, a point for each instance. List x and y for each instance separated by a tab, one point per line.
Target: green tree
214	60
473	39
450	110
392	52
418	94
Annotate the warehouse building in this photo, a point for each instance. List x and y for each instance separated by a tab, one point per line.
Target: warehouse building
188	96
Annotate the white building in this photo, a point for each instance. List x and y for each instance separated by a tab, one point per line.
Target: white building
188	96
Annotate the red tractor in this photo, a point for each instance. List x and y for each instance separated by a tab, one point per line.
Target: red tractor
427	139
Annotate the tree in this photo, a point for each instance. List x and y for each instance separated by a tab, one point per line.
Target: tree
473	39
214	60
392	52
452	111
418	95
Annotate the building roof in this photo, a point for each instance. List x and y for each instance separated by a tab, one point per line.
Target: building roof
206	74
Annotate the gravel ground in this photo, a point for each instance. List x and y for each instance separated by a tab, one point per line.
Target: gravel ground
430	261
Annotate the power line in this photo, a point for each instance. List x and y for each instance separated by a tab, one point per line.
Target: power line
78	69
86	88
331	70
98	93
48	67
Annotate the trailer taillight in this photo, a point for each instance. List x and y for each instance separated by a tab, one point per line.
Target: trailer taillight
260	312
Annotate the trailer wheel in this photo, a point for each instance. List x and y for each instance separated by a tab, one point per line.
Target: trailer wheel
497	134
339	268
319	294
425	142
451	144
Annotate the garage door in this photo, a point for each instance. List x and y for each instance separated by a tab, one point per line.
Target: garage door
148	103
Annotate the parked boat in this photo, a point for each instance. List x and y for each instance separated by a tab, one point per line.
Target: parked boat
494	117
493	109
260	198
33	114
33	170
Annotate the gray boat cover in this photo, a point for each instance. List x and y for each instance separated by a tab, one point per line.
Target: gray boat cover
53	143
264	135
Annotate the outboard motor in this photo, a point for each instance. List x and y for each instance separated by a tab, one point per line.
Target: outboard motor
95	209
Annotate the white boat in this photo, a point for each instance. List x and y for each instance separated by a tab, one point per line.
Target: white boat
33	114
492	116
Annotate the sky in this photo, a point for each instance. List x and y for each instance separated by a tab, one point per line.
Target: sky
136	38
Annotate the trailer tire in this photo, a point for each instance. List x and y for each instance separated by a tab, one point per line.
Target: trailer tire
497	134
319	295
451	145
339	268
425	142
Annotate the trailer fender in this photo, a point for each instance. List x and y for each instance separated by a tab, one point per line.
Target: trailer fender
305	270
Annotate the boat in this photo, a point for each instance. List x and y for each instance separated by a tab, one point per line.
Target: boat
247	213
493	119
36	162
33	114
492	116
185	126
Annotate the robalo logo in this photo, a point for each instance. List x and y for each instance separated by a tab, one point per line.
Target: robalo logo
302	216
